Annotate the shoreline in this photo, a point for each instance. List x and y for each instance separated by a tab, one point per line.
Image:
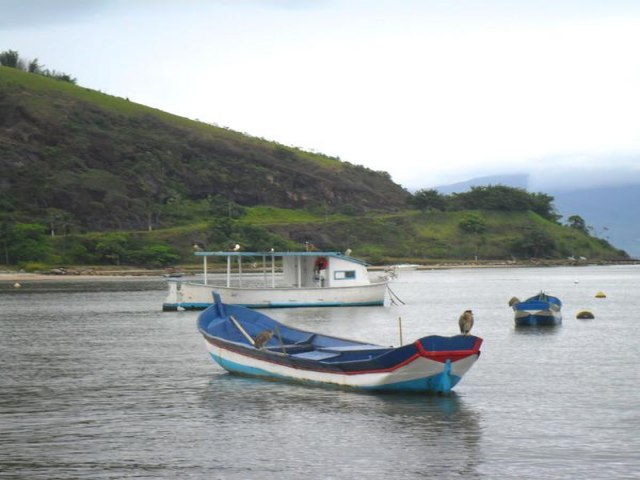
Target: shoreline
92	273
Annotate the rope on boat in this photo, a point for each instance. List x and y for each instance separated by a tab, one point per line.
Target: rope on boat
393	297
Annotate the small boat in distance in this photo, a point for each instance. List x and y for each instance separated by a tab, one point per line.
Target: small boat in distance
307	279
542	310
248	342
394	270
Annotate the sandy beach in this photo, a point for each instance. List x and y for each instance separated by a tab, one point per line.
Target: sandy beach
78	274
95	273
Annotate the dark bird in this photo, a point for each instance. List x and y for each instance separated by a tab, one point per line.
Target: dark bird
466	322
262	338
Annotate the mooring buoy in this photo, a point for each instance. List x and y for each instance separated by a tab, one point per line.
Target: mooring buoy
600	295
584	315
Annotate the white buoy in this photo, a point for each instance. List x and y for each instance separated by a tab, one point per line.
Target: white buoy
16	285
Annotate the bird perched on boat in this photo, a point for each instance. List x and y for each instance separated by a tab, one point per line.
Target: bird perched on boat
466	322
262	338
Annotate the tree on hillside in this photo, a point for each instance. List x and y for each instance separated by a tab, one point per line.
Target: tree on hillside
11	58
506	199
112	247
155	255
34	66
64	77
542	204
428	198
578	223
27	242
534	243
58	220
472	223
493	197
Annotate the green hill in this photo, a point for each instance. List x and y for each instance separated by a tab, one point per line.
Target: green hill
113	164
92	178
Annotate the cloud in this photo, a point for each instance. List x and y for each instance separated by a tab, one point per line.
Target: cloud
34	13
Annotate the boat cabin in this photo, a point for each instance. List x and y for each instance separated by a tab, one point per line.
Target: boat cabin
299	269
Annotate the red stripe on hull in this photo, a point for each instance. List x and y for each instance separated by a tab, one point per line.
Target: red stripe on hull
453	355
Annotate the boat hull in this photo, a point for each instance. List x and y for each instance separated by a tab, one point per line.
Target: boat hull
420	375
195	296
539	318
249	342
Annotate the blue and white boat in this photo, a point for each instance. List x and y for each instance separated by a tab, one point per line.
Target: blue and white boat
542	310
281	279
245	341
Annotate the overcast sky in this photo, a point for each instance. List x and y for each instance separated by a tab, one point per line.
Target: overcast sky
431	91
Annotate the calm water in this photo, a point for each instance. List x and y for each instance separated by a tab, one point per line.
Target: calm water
97	383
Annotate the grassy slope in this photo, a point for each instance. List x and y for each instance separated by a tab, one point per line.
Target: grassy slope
409	236
110	164
122	106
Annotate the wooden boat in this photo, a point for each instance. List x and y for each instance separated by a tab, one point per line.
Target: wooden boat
542	309
248	342
306	279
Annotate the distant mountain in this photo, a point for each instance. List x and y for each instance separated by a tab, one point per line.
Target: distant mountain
515	180
610	210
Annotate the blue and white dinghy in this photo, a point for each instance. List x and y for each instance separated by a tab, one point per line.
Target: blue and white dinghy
249	342
539	310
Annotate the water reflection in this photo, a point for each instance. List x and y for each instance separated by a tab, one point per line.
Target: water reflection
428	436
70	285
537	330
